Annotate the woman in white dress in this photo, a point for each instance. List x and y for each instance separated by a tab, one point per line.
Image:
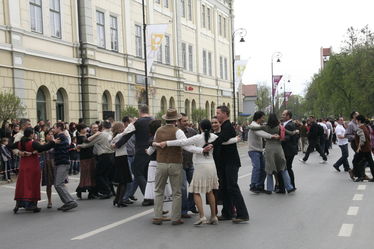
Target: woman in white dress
205	178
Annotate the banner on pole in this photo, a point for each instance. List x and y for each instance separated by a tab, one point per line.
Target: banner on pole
155	35
276	80
240	66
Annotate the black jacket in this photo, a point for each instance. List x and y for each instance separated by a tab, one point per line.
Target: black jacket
313	132
290	143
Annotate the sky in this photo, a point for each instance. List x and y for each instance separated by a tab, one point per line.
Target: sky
297	29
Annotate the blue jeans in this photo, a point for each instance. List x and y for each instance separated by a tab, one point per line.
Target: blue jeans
132	186
258	172
187	198
286	181
343	160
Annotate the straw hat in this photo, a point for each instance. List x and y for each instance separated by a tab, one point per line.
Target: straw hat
171	114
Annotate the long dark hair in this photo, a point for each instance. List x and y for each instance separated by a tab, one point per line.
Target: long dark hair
206	127
273	120
27	133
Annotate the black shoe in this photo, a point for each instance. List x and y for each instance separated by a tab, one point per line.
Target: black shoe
359	179
337	168
291	190
147	202
266	191
133	198
121	204
62	207
194	210
92	197
254	190
280	191
69	206
222	218
240	220
186	216
128	202
79	195
107	196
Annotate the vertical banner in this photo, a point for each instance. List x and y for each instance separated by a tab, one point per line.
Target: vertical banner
276	80
240	66
286	96
155	35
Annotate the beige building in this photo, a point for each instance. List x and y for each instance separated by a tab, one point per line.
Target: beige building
68	59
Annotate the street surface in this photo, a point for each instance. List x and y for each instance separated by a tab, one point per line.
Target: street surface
327	211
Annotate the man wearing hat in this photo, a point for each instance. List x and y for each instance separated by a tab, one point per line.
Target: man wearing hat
169	165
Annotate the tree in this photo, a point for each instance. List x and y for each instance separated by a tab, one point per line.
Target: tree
130	111
198	115
263	97
10	107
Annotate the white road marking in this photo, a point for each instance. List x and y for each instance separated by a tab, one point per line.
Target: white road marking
346	230
361	187
110	226
358	197
353	211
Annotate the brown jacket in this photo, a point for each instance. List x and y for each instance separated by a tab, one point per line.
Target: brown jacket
362	139
168	154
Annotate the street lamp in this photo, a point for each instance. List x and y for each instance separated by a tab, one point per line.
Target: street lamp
242	32
275	55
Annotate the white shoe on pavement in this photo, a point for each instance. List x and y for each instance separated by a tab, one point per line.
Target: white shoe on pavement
202	221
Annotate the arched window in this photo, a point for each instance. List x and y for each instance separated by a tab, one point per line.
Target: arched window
41	105
171	103
207	110
187	108
163	105
224	104
60	106
193	105
105	101
212	109
118	102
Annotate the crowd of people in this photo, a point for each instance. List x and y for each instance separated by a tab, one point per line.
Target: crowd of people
170	159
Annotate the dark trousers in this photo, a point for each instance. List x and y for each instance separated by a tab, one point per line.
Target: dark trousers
313	144
343	160
140	169
289	160
104	167
363	159
231	192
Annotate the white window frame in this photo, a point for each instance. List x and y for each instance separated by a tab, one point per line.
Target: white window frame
209	18
225	66
167	50
220	25
210	63
221	67
114	33
190	58
100	27
138	41
36	19
55	17
183	6
166	3
189	8
205	70
159	54
184	55
203	16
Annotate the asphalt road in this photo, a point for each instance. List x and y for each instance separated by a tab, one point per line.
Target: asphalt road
327	211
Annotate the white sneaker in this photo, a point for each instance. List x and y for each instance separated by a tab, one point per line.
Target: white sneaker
201	221
301	160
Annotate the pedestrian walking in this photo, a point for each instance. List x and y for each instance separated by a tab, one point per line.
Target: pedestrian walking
342	141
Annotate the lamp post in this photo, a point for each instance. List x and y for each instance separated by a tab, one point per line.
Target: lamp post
242	32
145	54
275	55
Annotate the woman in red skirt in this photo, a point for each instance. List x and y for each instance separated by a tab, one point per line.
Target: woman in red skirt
27	192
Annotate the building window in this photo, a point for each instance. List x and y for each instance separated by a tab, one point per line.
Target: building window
158	1
208	16
167	49
204	62
55	15
221	67
163	104
190	58
100	25
183	6
226	69
203	16
36	16
60	107
41	105
190	10
210	63
138	40
159	54
118	107
184	56
224	27
114	33
171	103
105	102
220	25
166	3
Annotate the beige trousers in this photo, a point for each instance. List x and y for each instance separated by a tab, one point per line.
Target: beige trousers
173	171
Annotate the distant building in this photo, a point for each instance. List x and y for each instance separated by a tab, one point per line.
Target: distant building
247	99
325	55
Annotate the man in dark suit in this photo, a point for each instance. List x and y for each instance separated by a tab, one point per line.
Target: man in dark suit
289	145
228	170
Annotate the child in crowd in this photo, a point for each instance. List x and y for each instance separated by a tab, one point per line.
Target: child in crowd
6	157
74	157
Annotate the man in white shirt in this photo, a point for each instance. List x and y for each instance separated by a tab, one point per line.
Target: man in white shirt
343	144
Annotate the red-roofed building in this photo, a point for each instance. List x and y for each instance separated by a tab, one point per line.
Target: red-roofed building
325	55
247	99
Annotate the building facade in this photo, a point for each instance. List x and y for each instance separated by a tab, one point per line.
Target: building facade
68	59
247	99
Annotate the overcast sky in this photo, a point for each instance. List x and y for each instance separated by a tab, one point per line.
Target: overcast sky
297	29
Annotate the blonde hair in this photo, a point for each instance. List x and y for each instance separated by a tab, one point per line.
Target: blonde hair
117	127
